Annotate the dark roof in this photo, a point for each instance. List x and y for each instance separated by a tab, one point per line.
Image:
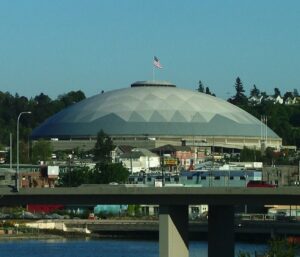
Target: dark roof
125	148
171	148
137	153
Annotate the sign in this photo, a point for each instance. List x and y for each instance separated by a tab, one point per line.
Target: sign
53	170
170	161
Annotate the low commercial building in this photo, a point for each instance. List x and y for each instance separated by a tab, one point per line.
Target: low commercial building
139	159
7	177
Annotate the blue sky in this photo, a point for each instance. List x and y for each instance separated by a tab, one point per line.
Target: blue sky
55	46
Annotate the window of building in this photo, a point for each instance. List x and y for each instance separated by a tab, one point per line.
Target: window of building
156	210
217	178
203	177
145	210
195	209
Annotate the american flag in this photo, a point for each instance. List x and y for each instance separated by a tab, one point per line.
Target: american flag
156	63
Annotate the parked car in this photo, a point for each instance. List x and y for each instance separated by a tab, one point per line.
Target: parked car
281	215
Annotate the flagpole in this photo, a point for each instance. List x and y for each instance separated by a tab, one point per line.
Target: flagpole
153	74
156	64
261	128
266	130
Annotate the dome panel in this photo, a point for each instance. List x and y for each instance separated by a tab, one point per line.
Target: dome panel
157	117
136	117
198	118
178	117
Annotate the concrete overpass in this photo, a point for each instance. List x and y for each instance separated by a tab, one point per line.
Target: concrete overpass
173	202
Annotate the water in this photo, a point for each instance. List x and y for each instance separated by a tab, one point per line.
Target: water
102	248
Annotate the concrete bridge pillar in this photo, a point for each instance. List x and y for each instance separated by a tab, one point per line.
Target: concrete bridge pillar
173	231
220	231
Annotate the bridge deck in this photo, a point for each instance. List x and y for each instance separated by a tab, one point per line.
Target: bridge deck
173	202
123	194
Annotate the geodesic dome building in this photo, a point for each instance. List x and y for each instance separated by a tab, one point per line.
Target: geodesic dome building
154	113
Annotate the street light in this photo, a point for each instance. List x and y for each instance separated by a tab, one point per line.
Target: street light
17	172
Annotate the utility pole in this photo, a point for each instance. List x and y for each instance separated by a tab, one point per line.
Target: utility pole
10	150
17	170
299	173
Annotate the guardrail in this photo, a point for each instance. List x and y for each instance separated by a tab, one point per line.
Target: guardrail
264	217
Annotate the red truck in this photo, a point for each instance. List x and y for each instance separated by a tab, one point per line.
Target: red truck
259	183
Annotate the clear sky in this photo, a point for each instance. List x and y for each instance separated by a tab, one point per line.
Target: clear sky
56	46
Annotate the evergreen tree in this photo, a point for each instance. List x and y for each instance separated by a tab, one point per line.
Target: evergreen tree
276	92
239	98
254	92
287	95
239	87
103	148
207	91
200	87
295	93
105	171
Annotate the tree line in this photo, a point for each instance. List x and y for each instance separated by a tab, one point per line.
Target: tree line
283	119
41	108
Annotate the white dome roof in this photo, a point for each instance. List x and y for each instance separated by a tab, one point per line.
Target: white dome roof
152	109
